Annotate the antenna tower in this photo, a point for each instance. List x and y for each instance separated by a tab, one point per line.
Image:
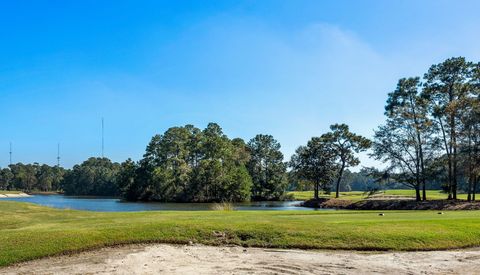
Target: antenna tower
103	144
10	153
58	154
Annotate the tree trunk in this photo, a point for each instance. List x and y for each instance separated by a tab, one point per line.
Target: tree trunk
474	191
449	158
450	181
418	183
470	187
470	167
424	190
340	173
471	178
420	149
417	193
315	195
453	140
422	171
455	182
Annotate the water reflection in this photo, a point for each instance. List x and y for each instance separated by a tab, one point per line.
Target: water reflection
117	205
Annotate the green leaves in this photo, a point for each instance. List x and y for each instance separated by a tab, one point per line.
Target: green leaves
189	164
429	124
344	145
315	162
95	176
266	167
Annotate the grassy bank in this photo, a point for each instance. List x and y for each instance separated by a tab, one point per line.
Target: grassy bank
359	195
29	231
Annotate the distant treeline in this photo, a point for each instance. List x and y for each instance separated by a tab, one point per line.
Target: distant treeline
189	164
430	140
31	177
184	164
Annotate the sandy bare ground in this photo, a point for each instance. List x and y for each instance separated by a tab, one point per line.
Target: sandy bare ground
14	195
198	259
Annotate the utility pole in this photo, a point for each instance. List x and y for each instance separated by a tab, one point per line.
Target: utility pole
103	146
58	154
10	153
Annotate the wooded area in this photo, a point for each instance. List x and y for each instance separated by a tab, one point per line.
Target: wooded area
430	140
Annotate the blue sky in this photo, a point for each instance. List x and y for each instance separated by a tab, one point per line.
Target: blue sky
286	68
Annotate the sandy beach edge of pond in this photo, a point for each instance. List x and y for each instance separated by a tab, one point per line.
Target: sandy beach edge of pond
14	195
200	259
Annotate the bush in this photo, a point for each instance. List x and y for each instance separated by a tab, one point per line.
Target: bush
224	206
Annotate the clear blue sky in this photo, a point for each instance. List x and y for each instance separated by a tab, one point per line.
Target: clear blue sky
286	68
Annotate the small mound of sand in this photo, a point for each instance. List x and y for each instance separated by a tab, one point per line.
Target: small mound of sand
14	195
392	204
414	205
199	259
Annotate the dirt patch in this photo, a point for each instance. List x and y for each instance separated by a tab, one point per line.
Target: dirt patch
414	205
14	195
326	203
392	204
198	259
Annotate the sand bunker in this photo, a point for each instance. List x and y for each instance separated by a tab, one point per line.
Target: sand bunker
199	259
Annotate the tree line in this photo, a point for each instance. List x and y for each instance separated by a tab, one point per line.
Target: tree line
431	136
194	165
30	177
184	164
432	130
430	139
187	164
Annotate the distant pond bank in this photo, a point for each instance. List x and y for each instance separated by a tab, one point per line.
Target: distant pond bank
117	205
391	204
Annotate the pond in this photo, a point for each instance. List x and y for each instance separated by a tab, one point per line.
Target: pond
116	205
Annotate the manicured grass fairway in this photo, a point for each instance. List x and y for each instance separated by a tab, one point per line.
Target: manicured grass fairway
28	231
358	195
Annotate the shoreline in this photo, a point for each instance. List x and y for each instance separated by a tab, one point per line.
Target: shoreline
14	195
202	259
392	204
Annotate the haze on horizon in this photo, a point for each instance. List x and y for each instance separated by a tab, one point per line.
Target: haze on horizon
285	68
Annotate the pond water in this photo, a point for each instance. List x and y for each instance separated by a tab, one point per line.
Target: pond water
116	205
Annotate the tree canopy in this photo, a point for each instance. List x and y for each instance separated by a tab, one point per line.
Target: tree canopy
94	177
315	162
431	125
189	164
344	145
266	167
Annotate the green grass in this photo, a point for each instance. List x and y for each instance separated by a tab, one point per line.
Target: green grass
29	231
359	195
306	195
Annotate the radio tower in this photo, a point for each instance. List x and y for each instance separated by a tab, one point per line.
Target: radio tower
103	147
10	153
58	154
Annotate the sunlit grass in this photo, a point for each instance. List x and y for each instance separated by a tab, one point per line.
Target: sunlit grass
359	195
29	231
